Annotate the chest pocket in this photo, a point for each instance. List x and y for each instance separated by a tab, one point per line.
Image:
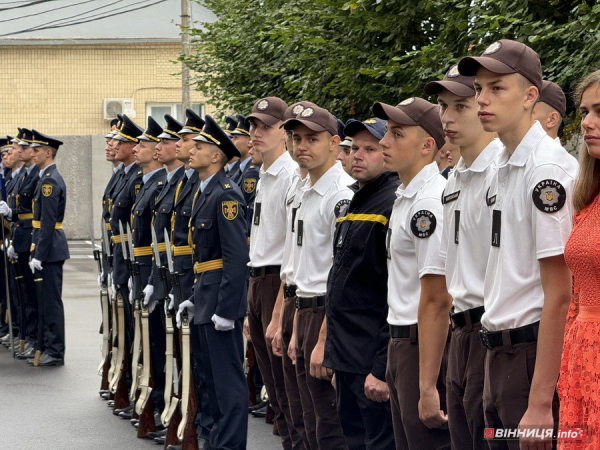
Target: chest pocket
186	211
165	208
204	232
139	211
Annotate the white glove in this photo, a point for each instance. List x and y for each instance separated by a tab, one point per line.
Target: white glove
100	280
130	283
4	209
35	264
148	291
109	280
152	306
222	324
10	252
190	311
171	304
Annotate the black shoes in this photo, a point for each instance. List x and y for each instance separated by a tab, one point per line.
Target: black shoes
261	412
258	406
47	360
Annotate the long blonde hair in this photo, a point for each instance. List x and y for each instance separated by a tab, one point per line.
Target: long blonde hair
587	185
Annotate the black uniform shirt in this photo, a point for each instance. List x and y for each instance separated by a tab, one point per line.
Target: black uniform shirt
356	305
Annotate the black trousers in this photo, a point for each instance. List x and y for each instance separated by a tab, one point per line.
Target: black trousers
222	354
29	300
366	424
52	314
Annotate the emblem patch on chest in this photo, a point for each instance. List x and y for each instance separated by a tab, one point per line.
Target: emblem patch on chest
549	196
249	185
230	209
46	190
423	224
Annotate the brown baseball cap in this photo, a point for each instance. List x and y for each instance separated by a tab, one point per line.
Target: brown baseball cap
505	56
269	110
316	118
414	111
553	95
454	82
296	108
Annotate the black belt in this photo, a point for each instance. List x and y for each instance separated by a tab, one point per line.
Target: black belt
309	302
528	333
403	331
460	319
289	290
264	270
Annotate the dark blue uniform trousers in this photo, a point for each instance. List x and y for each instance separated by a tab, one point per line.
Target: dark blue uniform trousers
222	355
53	313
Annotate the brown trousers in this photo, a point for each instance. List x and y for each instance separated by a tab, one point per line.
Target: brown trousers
262	293
317	396
464	388
508	372
402	376
289	376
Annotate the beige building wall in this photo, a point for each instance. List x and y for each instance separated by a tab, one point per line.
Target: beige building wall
59	89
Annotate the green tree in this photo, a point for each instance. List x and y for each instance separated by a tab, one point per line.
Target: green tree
345	55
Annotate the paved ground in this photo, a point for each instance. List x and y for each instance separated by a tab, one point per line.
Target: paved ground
59	408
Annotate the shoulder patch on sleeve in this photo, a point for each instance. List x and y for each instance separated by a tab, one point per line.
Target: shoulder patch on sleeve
549	196
249	185
341	207
230	209
46	190
423	223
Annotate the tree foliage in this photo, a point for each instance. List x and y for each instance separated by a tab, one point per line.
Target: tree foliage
346	54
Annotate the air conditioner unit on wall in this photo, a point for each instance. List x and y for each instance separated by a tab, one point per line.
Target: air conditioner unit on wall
114	106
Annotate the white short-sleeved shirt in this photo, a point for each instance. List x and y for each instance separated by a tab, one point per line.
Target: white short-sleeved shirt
269	219
531	205
414	237
292	202
322	203
467	228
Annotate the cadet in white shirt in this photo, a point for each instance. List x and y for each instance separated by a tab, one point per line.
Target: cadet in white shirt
323	201
550	108
527	284
416	283
465	246
266	250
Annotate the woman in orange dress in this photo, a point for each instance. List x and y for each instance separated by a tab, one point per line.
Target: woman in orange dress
579	384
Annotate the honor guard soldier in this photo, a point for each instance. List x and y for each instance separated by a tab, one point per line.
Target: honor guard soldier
218	234
7	166
183	261
266	252
528	284
357	328
19	210
466	226
49	248
550	108
123	198
246	174
163	210
316	141
417	297
232	167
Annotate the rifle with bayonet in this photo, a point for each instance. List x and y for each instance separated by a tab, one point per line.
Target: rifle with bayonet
20	281
186	432
117	385
144	405
105	252
11	338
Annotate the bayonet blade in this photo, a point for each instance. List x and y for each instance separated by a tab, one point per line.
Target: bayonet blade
155	248
123	243
107	247
130	242
168	251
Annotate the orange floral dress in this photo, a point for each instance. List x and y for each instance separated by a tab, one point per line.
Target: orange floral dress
579	382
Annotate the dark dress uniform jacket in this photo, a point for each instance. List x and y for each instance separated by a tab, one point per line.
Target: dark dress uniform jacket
163	212
356	305
124	195
49	210
247	180
141	222
218	229
21	202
